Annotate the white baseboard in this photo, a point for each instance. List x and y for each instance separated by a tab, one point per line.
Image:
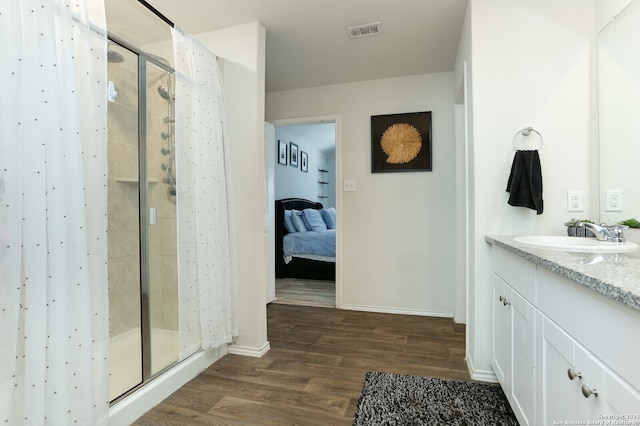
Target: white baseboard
249	351
481	375
148	396
400	311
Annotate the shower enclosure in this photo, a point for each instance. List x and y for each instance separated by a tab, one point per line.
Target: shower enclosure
143	283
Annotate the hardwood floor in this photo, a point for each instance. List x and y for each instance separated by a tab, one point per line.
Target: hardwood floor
315	369
296	291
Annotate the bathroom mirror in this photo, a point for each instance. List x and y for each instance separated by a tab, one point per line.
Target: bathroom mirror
619	116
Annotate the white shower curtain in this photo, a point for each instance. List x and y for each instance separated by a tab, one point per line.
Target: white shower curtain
207	273
53	242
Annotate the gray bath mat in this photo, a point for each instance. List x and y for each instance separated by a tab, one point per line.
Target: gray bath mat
393	399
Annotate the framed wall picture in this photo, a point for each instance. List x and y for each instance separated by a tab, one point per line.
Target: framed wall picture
401	142
293	154
282	152
304	161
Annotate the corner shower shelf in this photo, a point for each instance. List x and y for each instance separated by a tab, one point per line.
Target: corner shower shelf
134	180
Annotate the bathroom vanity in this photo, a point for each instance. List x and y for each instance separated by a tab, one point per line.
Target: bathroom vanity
566	333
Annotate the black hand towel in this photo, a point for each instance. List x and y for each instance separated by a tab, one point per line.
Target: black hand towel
525	181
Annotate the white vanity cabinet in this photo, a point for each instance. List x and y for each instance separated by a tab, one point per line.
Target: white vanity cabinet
575	385
564	367
501	325
513	320
598	338
561	351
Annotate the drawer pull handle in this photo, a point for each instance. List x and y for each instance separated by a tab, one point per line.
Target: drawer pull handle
588	392
572	375
504	301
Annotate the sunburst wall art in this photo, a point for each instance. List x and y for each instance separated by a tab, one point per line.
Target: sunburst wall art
401	142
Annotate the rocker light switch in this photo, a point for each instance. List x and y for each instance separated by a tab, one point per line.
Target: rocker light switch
349	185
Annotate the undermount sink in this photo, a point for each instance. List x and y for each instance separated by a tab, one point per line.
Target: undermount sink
559	242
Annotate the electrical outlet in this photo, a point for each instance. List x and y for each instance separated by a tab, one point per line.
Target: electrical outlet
613	200
575	201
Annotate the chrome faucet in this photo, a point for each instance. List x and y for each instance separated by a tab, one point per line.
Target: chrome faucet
604	232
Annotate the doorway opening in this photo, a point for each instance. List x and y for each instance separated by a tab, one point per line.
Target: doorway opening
304	166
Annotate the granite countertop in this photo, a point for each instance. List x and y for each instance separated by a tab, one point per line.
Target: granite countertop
615	275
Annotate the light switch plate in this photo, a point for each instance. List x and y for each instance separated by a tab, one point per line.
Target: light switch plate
349	185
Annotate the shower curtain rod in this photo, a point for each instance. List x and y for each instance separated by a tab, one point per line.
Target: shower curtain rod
157	13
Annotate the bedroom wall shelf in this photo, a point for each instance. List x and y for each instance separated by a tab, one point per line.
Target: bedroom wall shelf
322	183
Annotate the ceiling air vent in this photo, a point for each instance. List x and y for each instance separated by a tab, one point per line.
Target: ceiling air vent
365	30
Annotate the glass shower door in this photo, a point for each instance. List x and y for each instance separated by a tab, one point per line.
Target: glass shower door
163	266
123	219
143	283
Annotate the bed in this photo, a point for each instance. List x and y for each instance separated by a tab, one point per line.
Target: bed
298	261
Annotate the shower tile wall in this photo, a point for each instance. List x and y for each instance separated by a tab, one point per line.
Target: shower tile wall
124	244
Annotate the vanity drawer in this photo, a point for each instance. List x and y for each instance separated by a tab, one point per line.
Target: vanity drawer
516	271
606	328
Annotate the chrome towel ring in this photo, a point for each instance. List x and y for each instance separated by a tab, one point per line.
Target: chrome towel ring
526	132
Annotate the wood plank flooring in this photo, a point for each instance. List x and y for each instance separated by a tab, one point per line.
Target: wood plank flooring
315	369
296	291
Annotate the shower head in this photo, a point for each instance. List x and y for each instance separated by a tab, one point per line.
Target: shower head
114	57
164	93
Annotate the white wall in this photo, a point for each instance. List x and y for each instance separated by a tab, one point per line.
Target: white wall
395	233
243	50
464	172
531	65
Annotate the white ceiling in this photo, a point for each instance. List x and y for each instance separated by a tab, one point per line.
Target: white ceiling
307	41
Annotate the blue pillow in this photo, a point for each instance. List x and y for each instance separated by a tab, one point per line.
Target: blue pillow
288	222
313	220
296	218
329	216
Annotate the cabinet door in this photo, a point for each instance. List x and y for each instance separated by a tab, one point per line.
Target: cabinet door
522	359
564	368
501	330
513	345
621	400
591	383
